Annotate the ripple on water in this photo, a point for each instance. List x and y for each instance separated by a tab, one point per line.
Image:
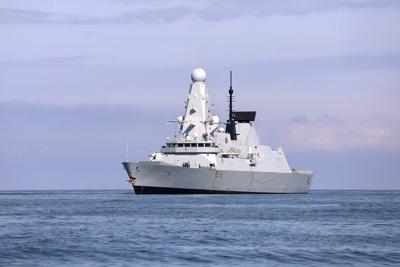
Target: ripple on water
117	227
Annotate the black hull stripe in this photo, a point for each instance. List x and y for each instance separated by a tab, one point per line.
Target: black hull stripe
147	190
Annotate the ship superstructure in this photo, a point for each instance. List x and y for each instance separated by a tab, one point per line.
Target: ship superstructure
210	156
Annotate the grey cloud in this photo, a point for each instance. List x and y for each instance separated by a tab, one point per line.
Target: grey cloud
355	169
34	126
64	77
212	10
21	16
330	119
330	133
324	118
52	147
44	146
300	119
8	15
45	62
219	10
320	65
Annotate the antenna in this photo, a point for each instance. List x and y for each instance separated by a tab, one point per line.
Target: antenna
127	150
230	74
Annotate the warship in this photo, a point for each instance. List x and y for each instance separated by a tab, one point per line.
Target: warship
209	156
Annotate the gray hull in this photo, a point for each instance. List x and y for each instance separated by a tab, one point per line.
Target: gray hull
155	178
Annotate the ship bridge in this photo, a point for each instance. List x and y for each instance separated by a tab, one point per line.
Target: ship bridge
189	148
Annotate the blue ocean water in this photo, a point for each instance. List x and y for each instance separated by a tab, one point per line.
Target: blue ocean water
53	228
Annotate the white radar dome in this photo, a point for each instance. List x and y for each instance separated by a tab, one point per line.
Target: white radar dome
215	119
199	75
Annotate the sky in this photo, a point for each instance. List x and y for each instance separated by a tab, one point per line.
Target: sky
80	79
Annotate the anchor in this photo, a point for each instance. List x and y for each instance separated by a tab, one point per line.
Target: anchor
132	180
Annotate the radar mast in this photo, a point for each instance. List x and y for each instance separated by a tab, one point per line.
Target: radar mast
230	126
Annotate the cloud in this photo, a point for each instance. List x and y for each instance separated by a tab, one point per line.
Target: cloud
82	77
241	40
36	128
327	133
8	15
371	168
48	147
123	12
82	146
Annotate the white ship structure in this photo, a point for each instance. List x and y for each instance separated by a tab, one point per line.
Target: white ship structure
214	157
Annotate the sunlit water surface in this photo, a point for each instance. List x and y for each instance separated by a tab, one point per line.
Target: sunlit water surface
52	228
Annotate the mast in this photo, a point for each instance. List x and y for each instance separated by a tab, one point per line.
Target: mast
230	126
230	97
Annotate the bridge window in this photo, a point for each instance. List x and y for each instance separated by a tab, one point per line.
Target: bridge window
207	144
180	145
187	145
193	145
201	144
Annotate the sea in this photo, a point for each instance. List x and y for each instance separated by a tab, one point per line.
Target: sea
119	228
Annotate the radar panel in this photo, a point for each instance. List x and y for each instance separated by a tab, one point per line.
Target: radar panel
244	116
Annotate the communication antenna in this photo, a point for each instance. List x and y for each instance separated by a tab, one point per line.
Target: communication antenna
127	150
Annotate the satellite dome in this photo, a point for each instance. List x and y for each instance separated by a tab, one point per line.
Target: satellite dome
199	75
